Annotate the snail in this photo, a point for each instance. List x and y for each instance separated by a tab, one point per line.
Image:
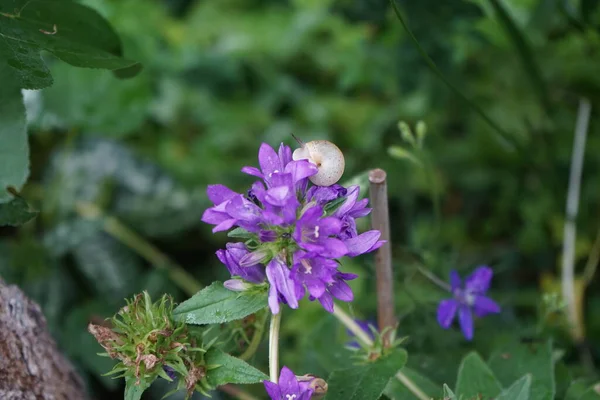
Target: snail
328	158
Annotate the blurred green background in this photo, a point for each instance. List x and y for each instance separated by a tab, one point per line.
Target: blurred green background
120	168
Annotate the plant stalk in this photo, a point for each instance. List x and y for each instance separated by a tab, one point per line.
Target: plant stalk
146	250
256	339
274	347
380	220
570	228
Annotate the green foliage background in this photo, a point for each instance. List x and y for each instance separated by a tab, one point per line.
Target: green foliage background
220	77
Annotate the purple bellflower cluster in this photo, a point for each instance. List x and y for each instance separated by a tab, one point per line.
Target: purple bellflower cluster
467	300
295	232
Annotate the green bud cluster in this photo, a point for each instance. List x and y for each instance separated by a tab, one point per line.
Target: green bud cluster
149	344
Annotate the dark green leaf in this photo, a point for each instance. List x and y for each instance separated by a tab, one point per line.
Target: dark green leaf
365	382
577	389
14	148
230	370
526	56
16	212
591	394
325	342
397	391
74	33
515	360
476	378
134	391
217	304
517	391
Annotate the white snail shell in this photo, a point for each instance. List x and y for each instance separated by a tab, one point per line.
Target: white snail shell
327	157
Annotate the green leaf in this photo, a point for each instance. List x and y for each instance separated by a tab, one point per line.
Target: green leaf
397	391
505	138
14	148
591	394
16	212
365	382
577	389
133	391
448	393
526	56
403	154
217	304
517	391
239	233
476	378
512	361
72	32
230	370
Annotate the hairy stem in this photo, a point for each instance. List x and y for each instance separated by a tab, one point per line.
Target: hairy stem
353	327
386	316
570	229
256	339
274	347
146	250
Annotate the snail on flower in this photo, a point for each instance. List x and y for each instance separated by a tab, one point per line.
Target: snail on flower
326	156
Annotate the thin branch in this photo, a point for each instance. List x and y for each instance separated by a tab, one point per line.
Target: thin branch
386	316
146	250
570	229
592	262
256	339
410	385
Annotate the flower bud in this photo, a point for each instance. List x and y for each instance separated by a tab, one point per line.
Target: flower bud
237	285
318	385
260	256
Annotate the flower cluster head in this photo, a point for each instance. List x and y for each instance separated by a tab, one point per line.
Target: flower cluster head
294	232
467	300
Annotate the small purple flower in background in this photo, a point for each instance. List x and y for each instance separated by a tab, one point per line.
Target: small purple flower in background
294	231
288	387
468	300
170	372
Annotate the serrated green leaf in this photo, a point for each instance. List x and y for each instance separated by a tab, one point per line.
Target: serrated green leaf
476	378
448	393
365	382
74	33
133	391
230	370
517	391
216	304
16	212
14	147
397	391
512	361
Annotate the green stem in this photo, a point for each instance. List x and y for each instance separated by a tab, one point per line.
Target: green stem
256	339
353	327
274	347
425	272
236	392
146	250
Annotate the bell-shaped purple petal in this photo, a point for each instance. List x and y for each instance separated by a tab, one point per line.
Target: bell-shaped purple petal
446	312
232	256
362	243
479	281
484	306
288	387
219	193
273	390
455	281
253	171
268	160
465	320
288	382
278	275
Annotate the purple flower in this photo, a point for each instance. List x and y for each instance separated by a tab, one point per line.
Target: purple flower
231	258
467	300
170	372
282	287
294	233
288	387
315	233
